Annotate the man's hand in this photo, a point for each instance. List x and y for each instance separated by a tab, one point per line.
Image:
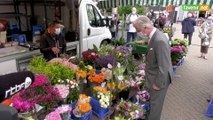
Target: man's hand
55	50
155	87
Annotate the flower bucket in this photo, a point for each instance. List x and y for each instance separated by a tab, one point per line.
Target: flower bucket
91	85
209	111
87	116
124	94
100	112
26	114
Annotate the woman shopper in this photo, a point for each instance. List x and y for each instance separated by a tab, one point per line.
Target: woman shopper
206	33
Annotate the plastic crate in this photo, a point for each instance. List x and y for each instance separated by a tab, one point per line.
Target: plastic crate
20	38
180	62
209	111
174	69
36	28
88	115
100	112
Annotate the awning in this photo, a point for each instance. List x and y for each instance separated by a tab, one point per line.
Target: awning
163	3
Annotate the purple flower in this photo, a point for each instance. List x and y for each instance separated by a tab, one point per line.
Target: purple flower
177	49
142	66
137	114
103	61
122	49
143	95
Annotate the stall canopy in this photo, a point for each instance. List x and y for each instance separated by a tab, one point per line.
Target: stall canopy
163	3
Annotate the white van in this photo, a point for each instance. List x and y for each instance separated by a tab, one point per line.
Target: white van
92	25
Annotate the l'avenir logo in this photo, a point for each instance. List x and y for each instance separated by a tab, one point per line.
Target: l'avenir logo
195	7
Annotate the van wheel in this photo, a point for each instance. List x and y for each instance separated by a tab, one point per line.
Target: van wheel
105	42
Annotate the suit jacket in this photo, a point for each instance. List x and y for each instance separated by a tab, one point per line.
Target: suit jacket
158	61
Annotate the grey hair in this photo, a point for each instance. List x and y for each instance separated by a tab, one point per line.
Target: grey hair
143	21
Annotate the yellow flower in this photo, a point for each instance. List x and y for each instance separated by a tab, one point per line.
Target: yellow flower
121	86
81	73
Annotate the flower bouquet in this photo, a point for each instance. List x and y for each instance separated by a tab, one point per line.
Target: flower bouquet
100	101
82	107
61	113
63	91
102	95
177	53
93	77
40	92
103	61
89	57
125	110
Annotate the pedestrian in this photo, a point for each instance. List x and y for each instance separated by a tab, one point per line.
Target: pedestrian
159	22
52	42
158	65
188	28
114	24
206	33
131	32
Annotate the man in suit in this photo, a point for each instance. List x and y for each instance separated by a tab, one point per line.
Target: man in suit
158	65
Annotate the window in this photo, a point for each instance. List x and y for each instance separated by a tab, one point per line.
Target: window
93	16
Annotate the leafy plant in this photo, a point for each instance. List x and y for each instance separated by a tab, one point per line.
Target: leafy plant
37	65
119	41
54	71
127	9
58	72
105	50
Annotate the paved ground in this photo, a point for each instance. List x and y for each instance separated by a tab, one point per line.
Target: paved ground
192	85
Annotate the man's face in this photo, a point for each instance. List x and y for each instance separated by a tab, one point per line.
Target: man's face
141	30
55	28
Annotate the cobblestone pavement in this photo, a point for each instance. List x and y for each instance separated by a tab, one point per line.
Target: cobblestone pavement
192	85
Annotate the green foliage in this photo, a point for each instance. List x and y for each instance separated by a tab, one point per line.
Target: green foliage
105	49
54	71
73	95
127	10
57	72
37	65
179	42
119	41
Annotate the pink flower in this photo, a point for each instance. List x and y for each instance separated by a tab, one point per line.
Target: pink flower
40	80
63	90
53	116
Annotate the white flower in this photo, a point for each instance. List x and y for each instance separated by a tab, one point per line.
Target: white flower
109	66
141	72
120	77
119	65
98	96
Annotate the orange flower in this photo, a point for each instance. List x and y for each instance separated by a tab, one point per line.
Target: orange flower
101	89
96	78
84	103
81	73
91	72
85	107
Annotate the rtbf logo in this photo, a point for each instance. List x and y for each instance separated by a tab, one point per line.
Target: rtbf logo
17	88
